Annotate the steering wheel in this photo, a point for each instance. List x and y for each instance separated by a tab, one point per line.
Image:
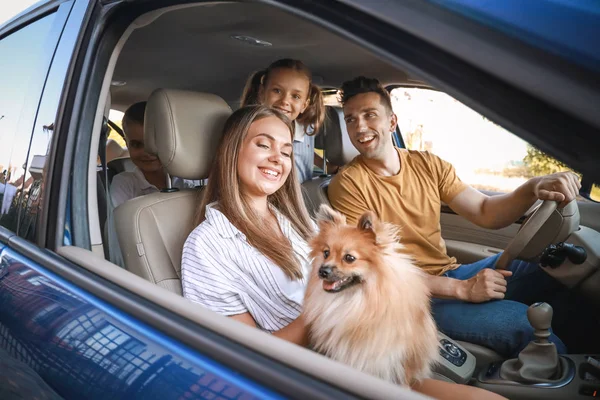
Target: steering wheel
531	239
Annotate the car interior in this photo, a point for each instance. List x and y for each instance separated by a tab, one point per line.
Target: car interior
190	63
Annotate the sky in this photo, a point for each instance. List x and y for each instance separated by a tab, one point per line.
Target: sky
19	74
10	8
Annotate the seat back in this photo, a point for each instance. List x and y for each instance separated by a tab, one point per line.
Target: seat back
183	128
152	238
338	150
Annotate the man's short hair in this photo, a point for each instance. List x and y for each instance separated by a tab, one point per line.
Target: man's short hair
362	84
135	113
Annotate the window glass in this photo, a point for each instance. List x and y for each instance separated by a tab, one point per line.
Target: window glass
595	195
485	155
116	117
22	72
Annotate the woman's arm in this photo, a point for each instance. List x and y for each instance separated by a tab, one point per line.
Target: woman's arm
295	332
453	391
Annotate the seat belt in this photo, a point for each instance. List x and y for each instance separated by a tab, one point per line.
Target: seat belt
114	249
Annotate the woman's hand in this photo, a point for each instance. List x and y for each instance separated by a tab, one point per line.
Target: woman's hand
453	391
295	332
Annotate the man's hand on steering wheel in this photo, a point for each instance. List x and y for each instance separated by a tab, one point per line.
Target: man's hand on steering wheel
560	187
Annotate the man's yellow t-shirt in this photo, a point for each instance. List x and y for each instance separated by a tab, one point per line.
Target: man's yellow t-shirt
411	200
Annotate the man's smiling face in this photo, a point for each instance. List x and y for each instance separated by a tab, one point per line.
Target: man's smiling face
369	124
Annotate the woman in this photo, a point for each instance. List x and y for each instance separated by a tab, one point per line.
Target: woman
247	258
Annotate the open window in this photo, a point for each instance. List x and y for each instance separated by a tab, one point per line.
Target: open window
485	155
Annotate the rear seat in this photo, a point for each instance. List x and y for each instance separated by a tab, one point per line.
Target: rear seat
338	150
183	129
118	165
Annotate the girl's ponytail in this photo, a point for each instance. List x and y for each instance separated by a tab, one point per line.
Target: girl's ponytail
251	92
314	115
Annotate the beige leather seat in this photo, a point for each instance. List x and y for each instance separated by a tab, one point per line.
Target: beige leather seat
340	151
183	128
121	164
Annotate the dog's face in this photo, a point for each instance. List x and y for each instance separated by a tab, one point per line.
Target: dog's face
349	256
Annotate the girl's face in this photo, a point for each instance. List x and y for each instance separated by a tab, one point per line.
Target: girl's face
286	90
265	162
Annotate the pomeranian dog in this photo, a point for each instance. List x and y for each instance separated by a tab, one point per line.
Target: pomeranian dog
366	304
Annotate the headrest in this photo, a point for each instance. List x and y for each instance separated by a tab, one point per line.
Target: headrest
183	128
339	150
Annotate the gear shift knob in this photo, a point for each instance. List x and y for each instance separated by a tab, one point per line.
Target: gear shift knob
540	318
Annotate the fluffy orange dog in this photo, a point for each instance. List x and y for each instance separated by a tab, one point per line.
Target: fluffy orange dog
366	304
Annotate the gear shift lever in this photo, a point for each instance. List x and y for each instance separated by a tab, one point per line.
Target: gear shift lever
539	361
540	318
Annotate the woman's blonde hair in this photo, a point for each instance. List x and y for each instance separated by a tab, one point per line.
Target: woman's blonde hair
313	116
224	187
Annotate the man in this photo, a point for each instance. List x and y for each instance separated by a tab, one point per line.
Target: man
149	175
407	187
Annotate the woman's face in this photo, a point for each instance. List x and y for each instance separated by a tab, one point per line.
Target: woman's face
287	91
265	162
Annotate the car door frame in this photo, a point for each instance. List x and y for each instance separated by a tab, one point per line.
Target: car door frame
77	115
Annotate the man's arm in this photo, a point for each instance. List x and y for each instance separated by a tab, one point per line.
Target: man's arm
495	212
488	284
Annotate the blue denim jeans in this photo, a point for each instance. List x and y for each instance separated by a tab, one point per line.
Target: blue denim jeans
500	325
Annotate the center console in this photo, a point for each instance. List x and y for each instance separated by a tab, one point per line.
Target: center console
456	364
537	372
581	382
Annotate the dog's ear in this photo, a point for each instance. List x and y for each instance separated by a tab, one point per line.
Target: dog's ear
328	215
385	233
367	221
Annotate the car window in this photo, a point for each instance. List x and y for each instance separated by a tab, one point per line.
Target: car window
485	155
22	72
116	117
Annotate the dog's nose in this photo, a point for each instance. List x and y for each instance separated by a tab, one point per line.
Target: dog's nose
325	271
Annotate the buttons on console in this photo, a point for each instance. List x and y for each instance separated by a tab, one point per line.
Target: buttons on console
452	353
452	349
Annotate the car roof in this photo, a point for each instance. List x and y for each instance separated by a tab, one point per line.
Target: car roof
196	50
567	28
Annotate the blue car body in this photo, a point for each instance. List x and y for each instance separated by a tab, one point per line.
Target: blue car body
57	320
89	349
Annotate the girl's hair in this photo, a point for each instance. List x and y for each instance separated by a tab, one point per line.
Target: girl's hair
314	114
224	187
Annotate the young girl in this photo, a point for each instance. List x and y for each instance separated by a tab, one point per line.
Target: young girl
248	256
287	86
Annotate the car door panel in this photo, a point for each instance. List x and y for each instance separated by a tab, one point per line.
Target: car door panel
93	338
331	374
468	253
86	348
589	214
457	229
